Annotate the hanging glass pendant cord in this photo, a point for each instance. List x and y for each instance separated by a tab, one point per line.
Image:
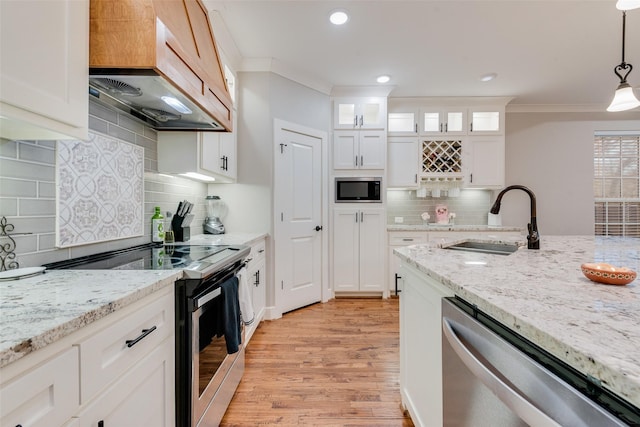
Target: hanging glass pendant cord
8	255
624	98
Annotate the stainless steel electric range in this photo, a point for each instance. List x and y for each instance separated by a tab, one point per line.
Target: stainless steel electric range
209	331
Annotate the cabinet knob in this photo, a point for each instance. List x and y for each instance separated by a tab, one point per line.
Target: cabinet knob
318	227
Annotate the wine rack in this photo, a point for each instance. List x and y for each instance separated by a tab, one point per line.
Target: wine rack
441	158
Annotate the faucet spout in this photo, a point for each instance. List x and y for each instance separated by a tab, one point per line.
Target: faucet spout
533	238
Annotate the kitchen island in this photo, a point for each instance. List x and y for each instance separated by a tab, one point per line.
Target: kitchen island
543	296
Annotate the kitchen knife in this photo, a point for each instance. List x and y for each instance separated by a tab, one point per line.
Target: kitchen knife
179	208
189	208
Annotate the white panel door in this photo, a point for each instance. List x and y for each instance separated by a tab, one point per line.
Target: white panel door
299	211
403	162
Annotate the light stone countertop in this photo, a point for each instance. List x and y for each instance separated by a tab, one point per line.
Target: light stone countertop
543	296
40	310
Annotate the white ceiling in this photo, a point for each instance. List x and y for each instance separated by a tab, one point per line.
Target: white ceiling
544	52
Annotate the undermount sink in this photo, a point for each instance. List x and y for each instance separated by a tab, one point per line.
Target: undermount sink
485	247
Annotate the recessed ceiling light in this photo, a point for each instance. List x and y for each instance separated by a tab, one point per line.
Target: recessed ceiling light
488	77
383	79
339	17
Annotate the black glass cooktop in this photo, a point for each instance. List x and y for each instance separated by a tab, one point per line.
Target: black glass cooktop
145	257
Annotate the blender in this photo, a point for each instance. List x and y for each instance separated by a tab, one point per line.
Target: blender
216	210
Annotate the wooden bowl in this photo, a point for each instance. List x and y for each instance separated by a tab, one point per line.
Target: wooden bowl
608	274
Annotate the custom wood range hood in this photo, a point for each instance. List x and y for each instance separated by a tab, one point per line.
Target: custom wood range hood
143	50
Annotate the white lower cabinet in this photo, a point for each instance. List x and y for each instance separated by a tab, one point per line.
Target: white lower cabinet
142	397
119	370
421	347
47	395
257	281
358	249
398	239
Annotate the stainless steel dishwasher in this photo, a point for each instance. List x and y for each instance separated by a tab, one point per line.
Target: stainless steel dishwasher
494	377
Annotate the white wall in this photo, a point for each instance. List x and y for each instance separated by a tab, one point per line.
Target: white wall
552	154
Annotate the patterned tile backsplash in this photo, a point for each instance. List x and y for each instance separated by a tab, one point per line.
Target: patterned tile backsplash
28	190
100	190
471	207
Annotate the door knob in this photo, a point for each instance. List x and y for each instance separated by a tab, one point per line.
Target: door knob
318	227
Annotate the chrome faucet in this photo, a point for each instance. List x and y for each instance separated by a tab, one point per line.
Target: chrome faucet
533	238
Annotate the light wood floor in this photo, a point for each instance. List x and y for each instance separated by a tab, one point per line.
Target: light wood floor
333	364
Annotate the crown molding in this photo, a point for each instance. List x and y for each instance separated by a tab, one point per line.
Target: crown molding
272	65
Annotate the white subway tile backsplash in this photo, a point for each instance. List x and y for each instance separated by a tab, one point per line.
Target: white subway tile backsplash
470	207
8	206
26	170
36	153
36	207
16	187
46	189
8	148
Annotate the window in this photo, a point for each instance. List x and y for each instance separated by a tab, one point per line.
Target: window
616	184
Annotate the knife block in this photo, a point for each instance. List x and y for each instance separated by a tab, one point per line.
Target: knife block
182	234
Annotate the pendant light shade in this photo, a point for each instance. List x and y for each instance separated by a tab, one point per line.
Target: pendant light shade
624	98
628	4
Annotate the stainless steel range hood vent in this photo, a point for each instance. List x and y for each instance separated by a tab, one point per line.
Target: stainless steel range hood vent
142	98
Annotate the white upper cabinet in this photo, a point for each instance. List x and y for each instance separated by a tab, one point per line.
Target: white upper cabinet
360	113
403	123
403	162
359	149
447	121
211	155
486	121
484	162
44	72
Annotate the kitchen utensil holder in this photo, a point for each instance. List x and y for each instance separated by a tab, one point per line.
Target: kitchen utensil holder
182	234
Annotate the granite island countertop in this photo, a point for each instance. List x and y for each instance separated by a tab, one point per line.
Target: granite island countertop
37	311
452	227
543	296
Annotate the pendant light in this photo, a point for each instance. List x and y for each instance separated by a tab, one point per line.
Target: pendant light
628	4
624	98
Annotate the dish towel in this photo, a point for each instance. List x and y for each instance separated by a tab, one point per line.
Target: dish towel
244	295
231	315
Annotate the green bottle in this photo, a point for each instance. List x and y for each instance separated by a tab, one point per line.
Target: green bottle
157	226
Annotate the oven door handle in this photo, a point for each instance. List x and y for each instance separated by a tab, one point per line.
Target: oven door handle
199	302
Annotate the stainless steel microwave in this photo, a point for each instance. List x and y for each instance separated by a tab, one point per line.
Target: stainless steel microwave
357	189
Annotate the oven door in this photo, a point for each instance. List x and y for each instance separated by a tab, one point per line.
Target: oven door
215	374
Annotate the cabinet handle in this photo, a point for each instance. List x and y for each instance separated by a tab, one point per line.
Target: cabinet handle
361	216
260	251
397	277
356	160
471	178
407	240
416	127
100	423
257	282
361	161
222	165
440	127
356	216
361	121
145	332
416	178
471	127
355	121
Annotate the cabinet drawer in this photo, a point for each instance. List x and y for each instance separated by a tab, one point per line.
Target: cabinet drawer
257	252
45	396
110	352
407	239
142	397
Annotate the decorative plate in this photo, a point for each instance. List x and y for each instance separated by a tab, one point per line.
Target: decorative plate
608	274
